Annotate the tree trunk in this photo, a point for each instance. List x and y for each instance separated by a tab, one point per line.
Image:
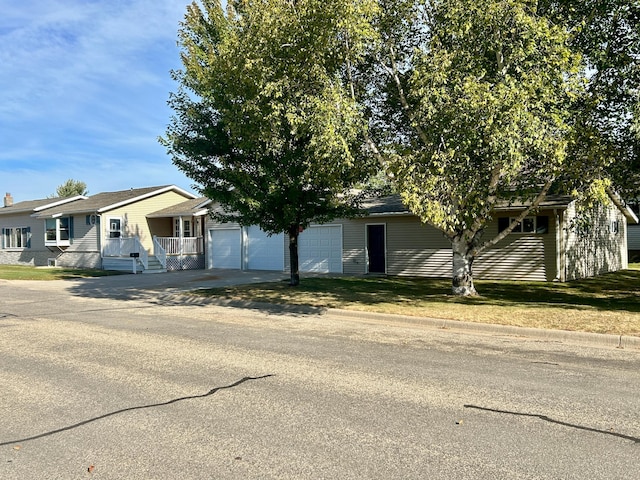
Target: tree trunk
294	231
462	268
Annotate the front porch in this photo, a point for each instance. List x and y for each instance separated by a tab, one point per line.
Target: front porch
186	253
168	254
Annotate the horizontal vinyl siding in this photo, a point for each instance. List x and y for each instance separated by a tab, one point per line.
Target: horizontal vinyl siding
134	216
597	249
353	241
633	237
38	254
85	237
519	256
420	250
416	249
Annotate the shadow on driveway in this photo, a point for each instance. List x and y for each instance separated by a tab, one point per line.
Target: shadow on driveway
169	289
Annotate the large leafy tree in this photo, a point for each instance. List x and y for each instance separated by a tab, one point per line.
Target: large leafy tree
265	121
607	135
478	95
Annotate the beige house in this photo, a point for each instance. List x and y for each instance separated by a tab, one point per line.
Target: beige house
156	229
110	230
547	246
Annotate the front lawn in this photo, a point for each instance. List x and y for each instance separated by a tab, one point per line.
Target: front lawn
606	304
22	272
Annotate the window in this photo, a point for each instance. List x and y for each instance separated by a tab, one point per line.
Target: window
186	228
58	231
539	224
16	237
115	227
614	227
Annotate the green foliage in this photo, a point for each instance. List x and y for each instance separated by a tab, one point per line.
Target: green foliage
488	99
264	121
71	188
606	142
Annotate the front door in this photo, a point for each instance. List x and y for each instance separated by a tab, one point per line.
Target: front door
376	248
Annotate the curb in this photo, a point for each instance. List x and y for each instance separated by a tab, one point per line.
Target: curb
565	336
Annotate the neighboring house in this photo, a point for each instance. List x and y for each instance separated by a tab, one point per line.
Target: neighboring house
23	236
547	246
110	230
633	237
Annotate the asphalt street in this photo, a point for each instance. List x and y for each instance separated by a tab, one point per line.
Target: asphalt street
127	379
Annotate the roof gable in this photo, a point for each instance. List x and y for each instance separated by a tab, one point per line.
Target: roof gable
195	207
106	201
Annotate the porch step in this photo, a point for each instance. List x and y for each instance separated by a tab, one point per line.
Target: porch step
154	266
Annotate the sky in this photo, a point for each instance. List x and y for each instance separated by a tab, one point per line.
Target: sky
84	86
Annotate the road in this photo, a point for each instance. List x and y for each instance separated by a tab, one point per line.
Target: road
155	386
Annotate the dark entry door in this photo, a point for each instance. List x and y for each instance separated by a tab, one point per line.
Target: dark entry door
376	248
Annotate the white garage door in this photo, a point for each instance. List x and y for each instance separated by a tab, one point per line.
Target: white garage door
225	248
264	252
320	249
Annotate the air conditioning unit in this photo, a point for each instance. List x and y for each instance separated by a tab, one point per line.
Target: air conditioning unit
51	262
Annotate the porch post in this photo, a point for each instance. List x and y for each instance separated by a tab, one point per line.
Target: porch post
181	240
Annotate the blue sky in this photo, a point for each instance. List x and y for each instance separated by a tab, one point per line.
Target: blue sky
84	86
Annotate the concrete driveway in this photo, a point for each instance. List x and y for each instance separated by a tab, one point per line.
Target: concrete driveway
132	286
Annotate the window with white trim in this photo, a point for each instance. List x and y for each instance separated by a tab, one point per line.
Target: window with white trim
16	237
58	231
115	227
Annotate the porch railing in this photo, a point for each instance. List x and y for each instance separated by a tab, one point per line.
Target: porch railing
181	246
159	252
124	247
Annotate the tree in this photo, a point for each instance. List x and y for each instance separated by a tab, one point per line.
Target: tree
607	135
263	120
480	95
71	188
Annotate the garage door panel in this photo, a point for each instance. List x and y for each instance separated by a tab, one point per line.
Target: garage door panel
225	248
320	249
264	252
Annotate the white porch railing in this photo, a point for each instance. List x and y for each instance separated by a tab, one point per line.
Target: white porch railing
124	247
181	246
160	252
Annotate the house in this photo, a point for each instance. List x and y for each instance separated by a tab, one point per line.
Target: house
110	230
633	236
549	245
166	228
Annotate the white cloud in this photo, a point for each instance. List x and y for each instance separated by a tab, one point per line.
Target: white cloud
83	91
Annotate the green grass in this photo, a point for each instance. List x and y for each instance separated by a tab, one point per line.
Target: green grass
607	304
21	272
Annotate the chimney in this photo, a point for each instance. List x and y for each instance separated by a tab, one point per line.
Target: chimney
8	200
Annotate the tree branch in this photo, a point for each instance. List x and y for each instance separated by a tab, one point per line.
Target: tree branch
534	205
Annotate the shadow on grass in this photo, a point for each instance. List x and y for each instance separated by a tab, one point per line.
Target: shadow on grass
618	291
